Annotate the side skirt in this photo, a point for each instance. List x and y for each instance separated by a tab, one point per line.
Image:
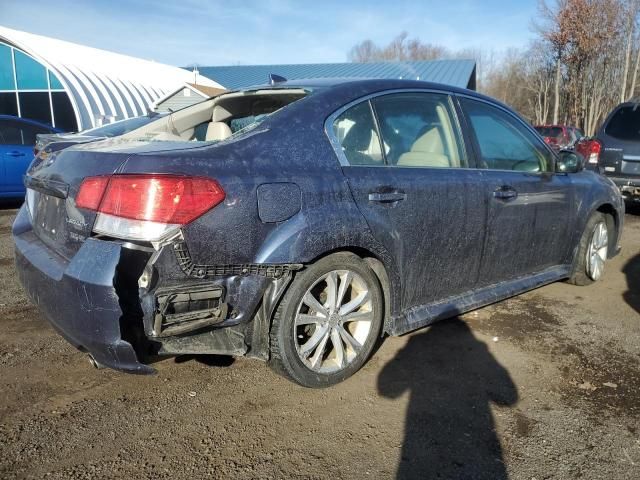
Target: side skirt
423	315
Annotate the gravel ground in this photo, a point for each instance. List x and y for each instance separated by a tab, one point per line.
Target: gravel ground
543	386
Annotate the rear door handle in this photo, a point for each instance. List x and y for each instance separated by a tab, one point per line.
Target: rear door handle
15	154
387	197
505	193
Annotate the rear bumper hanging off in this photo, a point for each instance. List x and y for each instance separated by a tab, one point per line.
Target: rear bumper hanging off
78	297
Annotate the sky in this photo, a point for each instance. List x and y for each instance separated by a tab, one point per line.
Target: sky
207	33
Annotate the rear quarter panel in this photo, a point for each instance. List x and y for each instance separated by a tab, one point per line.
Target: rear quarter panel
295	151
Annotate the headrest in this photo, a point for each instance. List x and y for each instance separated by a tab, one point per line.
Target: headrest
217	131
431	141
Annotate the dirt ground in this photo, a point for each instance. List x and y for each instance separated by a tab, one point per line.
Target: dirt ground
542	386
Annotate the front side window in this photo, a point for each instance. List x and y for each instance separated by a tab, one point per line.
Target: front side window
625	124
504	142
356	131
418	130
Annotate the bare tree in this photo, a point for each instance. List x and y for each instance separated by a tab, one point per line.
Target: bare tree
364	52
555	30
401	48
630	11
636	70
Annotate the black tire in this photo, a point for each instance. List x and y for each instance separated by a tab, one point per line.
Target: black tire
580	275
284	358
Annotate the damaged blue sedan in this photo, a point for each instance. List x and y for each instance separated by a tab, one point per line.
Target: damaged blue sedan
301	221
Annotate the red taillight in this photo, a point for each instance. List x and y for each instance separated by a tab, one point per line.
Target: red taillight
167	199
91	192
590	149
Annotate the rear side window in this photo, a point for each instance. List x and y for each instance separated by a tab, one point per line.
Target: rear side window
504	142
625	124
356	131
418	130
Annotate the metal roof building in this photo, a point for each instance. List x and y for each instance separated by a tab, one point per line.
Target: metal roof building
458	73
75	87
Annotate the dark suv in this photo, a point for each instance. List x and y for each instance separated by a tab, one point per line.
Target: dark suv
616	149
314	217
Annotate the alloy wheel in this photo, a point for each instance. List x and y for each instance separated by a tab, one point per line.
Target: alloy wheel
597	251
333	321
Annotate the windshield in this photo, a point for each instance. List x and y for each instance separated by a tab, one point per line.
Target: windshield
123	126
553	132
625	124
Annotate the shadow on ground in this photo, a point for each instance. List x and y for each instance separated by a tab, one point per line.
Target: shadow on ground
632	272
209	360
632	208
452	380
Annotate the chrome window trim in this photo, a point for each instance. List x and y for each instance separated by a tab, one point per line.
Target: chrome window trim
337	148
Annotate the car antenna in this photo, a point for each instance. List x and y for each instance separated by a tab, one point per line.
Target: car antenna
273	79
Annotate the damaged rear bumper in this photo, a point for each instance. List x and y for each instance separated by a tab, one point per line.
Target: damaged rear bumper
122	305
78	297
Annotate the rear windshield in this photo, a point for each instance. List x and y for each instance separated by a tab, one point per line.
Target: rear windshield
625	124
553	132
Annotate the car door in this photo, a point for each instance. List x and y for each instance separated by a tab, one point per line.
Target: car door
406	165
529	206
18	139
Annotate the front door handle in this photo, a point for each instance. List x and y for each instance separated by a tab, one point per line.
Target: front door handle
505	193
387	197
15	154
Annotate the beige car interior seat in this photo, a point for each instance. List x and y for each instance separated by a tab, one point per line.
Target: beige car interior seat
426	151
217	131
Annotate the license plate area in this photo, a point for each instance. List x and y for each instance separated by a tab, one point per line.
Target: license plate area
47	215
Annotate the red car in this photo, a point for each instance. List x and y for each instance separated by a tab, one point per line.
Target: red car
559	136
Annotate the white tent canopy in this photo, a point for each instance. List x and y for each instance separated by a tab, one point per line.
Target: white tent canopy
102	85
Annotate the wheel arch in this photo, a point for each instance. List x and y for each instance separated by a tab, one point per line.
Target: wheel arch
387	276
612	218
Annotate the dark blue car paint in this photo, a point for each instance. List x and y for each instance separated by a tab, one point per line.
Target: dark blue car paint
289	201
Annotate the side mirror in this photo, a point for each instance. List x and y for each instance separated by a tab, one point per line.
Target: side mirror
569	162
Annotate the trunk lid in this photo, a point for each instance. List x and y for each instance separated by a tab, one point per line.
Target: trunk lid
53	182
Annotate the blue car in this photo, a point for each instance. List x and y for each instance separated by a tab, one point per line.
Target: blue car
17	139
298	222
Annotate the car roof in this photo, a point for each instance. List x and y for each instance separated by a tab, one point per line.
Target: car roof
374	83
365	86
